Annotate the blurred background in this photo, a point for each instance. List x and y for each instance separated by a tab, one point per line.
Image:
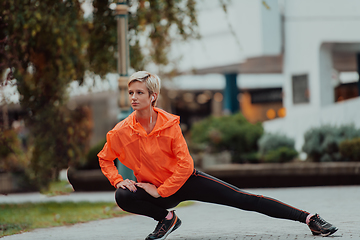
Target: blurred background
253	81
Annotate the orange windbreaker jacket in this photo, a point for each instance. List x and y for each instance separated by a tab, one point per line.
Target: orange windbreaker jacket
161	158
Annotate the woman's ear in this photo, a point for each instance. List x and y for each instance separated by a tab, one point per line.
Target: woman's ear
153	97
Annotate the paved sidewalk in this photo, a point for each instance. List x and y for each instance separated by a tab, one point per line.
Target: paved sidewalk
73	197
202	221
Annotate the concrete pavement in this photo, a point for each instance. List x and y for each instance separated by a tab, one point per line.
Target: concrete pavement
73	197
202	221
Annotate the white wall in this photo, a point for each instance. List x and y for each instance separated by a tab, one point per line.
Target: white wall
312	27
308	25
249	28
322	9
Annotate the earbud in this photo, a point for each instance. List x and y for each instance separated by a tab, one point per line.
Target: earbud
152	98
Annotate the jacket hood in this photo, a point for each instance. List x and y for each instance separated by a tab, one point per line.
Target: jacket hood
164	120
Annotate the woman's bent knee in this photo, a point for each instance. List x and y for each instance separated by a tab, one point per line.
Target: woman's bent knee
123	198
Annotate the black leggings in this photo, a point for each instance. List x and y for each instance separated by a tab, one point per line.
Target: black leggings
205	188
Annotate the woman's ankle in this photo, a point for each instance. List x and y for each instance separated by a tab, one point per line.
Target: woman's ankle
169	215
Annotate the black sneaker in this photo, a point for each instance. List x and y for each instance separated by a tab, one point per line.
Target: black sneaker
164	228
319	226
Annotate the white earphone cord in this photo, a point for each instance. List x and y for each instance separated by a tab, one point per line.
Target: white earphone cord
150	110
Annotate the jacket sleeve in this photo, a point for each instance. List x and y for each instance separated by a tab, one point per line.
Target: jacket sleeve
107	156
184	166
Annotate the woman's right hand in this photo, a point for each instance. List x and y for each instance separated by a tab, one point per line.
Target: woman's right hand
129	184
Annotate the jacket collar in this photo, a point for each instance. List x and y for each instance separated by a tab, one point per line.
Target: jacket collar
164	120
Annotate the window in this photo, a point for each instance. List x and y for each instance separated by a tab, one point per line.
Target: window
300	88
268	95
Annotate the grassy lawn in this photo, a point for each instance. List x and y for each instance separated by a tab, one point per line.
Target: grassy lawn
16	218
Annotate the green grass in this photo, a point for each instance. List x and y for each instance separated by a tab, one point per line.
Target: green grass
16	218
58	188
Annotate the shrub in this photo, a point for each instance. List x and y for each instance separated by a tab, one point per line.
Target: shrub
15	160
92	161
281	154
276	148
322	143
12	157
350	149
233	133
272	141
252	157
9	143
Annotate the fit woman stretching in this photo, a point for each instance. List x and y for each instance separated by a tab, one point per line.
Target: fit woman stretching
150	143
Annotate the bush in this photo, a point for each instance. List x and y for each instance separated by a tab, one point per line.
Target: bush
9	143
12	158
15	160
252	157
281	154
233	133
276	148
92	161
350	149
322	143
272	141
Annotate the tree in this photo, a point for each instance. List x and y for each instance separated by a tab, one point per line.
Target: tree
160	21
48	44
44	49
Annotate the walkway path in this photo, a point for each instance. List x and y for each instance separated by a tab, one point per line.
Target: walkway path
202	221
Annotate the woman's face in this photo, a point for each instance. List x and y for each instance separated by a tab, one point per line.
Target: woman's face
139	96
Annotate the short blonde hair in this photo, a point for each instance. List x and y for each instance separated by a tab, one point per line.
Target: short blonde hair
152	82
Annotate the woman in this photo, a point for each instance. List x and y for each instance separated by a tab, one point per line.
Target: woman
150	142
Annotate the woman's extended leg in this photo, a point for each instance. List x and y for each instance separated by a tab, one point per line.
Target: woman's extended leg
206	188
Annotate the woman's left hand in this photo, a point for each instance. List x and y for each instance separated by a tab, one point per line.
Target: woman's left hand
149	188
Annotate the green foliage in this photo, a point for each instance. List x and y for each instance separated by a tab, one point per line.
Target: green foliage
68	147
281	155
276	148
233	133
350	149
14	160
152	20
102	30
58	188
12	157
252	157
272	141
322	143
44	48
9	143
158	18
92	160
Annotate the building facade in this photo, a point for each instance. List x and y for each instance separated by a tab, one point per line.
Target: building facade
311	44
